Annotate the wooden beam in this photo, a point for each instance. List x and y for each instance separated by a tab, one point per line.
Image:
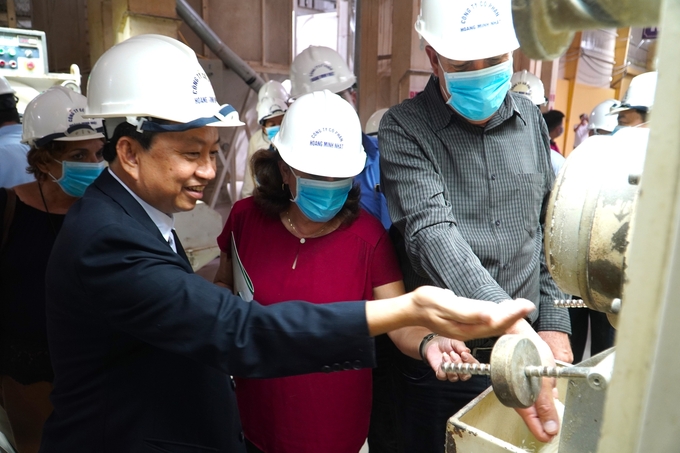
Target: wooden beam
402	20
11	14
620	60
368	13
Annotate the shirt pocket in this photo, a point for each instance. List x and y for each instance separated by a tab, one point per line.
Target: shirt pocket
530	199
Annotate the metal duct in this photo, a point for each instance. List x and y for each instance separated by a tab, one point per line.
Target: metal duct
223	52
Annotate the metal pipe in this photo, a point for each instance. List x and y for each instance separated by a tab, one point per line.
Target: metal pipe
219	48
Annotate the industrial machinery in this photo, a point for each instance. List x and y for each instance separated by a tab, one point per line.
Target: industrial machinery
587	228
23	62
612	238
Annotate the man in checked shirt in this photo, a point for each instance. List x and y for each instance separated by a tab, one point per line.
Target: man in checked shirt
466	171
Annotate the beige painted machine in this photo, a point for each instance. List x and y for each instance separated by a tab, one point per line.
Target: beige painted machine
23	62
612	237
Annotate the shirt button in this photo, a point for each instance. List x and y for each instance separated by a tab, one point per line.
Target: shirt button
498	223
346	366
326	369
241	436
337	367
493	177
233	384
358	365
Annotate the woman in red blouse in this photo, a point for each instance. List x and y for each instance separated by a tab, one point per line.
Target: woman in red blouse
302	236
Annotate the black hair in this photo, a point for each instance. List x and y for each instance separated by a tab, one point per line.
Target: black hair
8	108
553	119
125	129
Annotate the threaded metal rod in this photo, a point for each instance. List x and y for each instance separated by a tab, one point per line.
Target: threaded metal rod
570	303
467	368
529	371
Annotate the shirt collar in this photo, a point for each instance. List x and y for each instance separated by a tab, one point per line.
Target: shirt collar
442	114
10	129
163	221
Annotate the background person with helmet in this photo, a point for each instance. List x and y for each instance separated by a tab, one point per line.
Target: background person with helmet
270	111
373	123
601	122
466	171
12	151
142	348
637	102
303	236
320	68
526	83
65	156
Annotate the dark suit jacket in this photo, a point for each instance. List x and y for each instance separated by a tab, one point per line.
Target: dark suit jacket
143	348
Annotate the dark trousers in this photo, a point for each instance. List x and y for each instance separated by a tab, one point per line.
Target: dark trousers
421	406
601	332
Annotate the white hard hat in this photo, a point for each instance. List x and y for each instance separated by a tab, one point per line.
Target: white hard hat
321	135
57	114
640	93
600	117
273	89
319	68
528	84
155	76
374	122
5	87
269	108
467	29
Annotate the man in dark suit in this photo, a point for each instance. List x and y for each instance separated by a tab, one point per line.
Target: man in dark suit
143	348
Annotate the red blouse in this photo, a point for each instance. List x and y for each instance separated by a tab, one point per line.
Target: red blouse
313	412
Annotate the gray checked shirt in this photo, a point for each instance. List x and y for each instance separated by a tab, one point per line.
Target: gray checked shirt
468	200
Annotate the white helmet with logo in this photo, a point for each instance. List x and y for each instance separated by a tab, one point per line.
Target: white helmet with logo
5	87
273	89
269	108
155	76
57	114
321	135
600	118
529	85
467	29
640	93
373	122
319	68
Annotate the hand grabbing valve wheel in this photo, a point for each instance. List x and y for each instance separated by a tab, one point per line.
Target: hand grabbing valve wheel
516	371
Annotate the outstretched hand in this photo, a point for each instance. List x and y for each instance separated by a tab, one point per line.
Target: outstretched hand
465	319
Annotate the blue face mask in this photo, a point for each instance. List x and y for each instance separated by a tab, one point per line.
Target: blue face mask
272	131
320	201
477	95
77	176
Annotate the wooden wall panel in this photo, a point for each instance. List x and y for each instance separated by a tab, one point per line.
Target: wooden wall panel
259	31
65	24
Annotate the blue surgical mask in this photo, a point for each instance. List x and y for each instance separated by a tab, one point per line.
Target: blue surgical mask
477	95
272	131
77	176
320	201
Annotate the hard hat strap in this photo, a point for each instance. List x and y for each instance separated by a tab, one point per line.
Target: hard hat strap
70	132
147	124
